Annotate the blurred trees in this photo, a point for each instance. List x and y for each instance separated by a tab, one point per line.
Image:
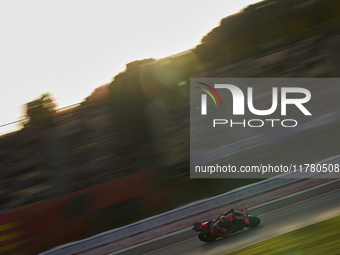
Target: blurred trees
164	82
239	36
40	110
127	103
245	34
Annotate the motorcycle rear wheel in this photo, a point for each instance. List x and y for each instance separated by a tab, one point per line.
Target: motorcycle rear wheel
206	237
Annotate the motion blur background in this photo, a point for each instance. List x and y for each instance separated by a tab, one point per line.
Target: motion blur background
122	154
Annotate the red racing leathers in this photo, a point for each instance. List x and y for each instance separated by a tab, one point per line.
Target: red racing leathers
229	222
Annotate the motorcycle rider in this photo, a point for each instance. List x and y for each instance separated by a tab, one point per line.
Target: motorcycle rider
229	222
240	217
220	226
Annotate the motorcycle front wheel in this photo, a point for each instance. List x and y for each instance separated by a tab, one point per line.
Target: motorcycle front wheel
254	222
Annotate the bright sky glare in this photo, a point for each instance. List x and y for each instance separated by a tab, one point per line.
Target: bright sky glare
69	48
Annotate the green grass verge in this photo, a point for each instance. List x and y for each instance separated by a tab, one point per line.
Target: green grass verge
321	238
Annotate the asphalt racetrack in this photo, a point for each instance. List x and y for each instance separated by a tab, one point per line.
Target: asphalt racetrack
274	223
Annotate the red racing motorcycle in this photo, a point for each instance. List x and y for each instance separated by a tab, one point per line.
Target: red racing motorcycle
228	223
